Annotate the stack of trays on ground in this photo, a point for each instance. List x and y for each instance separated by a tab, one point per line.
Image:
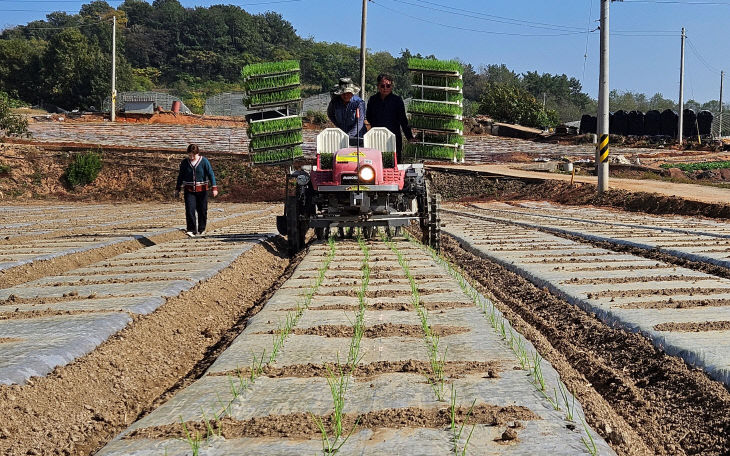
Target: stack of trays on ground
436	110
273	94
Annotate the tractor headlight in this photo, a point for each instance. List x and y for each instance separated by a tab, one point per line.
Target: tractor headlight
367	174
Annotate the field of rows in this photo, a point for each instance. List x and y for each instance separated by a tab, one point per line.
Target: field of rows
539	329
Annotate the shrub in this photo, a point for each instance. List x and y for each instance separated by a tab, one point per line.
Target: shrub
84	169
512	104
316	117
11	124
4	168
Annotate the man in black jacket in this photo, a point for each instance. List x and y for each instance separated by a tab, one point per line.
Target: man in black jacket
386	109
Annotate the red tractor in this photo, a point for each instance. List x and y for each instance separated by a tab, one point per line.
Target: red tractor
358	187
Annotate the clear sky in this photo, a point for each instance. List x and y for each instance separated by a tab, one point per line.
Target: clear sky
548	36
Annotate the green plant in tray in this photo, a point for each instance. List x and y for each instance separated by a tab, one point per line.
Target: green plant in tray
450	66
436	95
276	140
277	155
272	82
434	123
436	81
275	125
439	109
264	68
416	151
282	96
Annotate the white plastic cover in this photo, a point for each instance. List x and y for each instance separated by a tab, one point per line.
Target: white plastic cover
330	140
380	138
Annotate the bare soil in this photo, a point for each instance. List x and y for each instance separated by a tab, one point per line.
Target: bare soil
302	425
129	175
404	307
694	327
452	369
78	408
638	398
382	330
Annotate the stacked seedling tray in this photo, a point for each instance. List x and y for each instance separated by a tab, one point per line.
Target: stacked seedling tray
436	110
273	98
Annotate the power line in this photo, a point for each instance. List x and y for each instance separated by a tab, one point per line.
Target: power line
489	17
467	29
699	56
588	34
677	2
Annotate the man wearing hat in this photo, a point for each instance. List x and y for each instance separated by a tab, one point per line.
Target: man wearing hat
343	110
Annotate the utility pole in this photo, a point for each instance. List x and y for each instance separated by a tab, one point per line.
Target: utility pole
603	88
719	133
680	127
114	69
363	49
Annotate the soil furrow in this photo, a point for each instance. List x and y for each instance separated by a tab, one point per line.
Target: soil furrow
301	425
674	409
452	369
382	330
97	396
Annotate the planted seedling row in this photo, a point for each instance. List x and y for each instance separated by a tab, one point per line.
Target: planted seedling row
338	378
530	360
243	382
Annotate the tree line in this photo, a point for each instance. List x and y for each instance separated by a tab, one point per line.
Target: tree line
65	60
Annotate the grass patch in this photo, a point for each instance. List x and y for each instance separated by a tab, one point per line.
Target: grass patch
84	169
704	166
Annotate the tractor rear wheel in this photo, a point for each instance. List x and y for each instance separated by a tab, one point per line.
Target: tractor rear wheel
434	222
295	239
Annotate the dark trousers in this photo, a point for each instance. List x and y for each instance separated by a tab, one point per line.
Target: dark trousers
196	202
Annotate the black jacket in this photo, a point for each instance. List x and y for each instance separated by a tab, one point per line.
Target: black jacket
391	114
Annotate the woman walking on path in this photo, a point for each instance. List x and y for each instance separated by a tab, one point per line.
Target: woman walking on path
196	176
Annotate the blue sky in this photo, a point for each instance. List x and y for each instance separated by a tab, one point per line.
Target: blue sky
526	35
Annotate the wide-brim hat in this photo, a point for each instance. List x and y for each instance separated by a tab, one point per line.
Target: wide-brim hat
345	85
